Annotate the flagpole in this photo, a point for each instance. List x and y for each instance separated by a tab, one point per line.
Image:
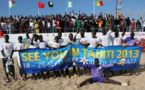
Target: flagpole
9	8
93	7
38	7
66	7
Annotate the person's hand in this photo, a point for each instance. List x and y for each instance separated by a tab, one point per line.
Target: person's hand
50	48
70	43
122	62
86	46
124	45
34	35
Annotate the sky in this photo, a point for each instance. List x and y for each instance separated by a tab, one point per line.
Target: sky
130	8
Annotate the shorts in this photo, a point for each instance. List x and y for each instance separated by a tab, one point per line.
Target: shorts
98	79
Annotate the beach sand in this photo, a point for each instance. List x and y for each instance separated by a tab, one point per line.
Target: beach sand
137	81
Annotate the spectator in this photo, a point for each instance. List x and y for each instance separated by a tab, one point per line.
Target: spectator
127	24
133	25
144	25
138	25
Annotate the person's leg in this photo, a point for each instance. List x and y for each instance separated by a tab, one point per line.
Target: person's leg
112	81
43	75
4	64
85	82
62	73
55	74
47	74
8	80
20	72
67	72
33	76
74	71
85	71
78	71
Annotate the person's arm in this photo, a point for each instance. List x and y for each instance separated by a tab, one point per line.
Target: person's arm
27	34
86	45
123	33
84	66
32	39
2	51
109	65
75	37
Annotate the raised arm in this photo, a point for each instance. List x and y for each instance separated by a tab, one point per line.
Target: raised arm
27	34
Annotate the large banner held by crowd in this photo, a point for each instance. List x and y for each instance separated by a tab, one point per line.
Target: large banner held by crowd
43	60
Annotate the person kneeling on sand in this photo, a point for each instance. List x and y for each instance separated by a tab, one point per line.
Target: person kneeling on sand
97	74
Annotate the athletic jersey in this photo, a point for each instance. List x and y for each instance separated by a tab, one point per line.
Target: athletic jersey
93	42
84	40
7	49
67	41
78	38
19	46
54	44
35	45
61	41
130	42
105	39
28	41
43	44
117	41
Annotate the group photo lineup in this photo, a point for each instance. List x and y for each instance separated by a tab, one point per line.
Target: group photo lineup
72	44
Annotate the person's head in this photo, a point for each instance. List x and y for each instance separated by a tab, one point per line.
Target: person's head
82	33
96	62
70	36
116	34
56	39
93	33
103	31
40	38
59	35
6	38
132	35
140	18
36	37
20	38
132	19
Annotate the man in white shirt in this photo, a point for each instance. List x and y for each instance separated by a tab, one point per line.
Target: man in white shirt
55	45
77	38
117	39
35	44
106	37
43	44
59	37
93	40
7	52
20	46
83	40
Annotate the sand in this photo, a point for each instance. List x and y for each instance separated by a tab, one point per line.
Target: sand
136	83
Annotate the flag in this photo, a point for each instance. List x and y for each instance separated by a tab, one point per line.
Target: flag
70	4
41	5
12	4
98	3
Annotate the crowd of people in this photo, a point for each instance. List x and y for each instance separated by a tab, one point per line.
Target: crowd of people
36	41
68	23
